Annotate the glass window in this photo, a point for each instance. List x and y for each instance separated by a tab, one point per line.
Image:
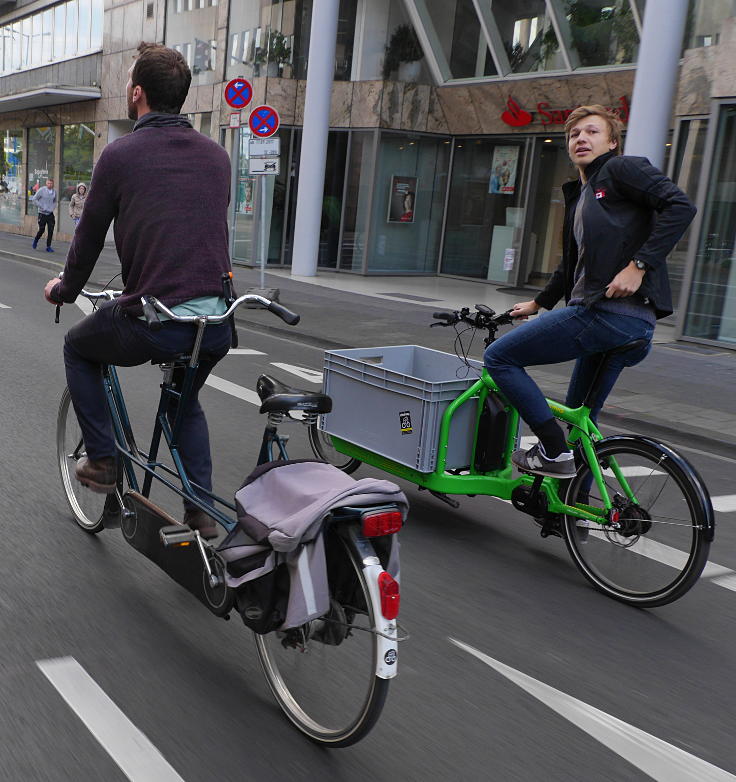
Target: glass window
72	14
601	33
36	38
85	23
484	215
406	220
26	43
6	48
686	174
17	46
77	148
41	153
711	308
47	45
528	37
98	18
193	31
59	31
357	200
11	186
246	202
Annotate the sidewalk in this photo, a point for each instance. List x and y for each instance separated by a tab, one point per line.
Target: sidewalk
681	388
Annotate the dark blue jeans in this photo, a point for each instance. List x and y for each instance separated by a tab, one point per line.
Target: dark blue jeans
563	335
110	336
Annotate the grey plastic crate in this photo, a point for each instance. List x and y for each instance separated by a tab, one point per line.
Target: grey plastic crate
390	400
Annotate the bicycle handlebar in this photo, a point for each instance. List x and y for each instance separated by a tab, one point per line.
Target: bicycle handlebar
152	305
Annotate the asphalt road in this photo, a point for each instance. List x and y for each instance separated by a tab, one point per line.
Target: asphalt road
480	575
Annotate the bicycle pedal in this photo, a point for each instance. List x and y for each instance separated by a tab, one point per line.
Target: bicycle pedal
177	535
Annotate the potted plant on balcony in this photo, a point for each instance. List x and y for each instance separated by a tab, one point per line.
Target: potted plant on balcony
274	54
403	54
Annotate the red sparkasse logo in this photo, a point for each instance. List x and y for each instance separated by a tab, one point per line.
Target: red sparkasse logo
600	193
515	115
518	117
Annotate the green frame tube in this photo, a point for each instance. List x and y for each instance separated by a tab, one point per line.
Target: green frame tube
500	483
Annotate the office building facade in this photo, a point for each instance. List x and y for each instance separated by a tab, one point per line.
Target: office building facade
446	152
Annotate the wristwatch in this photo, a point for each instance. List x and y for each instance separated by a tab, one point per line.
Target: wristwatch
640	265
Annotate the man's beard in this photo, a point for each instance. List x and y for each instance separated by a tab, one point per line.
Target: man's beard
132	111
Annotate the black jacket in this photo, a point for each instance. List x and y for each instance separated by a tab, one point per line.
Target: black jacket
637	213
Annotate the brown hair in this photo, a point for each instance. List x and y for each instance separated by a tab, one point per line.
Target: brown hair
163	75
615	126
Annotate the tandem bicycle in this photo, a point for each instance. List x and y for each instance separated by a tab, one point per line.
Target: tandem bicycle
323	607
636	517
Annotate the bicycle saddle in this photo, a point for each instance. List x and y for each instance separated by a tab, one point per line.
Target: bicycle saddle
637	343
277	397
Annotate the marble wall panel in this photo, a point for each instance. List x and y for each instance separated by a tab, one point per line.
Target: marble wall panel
133	31
341	104
301	90
366	108
459	110
489	101
696	81
281	94
436	121
415	107
724	72
204	97
117	25
391	104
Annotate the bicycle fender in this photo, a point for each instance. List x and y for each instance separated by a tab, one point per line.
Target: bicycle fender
708	516
387	647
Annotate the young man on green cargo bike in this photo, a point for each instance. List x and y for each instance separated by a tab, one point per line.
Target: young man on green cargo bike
622	218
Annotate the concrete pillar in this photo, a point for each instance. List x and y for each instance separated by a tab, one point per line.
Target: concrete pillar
657	70
322	42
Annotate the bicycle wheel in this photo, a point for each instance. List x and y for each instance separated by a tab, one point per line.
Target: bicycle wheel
322	448
323	674
660	545
87	506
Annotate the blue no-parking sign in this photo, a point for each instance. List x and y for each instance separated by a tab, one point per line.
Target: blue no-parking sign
263	121
238	93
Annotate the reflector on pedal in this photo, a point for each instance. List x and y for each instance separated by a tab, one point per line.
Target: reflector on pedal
176	536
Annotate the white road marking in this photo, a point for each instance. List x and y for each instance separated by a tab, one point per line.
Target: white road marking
245	352
84	304
5	307
657	758
310	375
233	389
725	503
136	756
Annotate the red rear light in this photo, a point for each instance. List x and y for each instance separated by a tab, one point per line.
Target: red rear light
390	598
381	522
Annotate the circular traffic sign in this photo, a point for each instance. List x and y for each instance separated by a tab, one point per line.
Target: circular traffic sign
263	121
238	93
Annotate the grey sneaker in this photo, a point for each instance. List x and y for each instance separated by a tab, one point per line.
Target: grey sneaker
535	462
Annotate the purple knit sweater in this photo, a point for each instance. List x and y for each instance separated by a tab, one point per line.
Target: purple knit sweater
167	189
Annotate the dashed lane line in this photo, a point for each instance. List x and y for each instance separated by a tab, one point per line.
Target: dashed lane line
5	307
131	750
660	760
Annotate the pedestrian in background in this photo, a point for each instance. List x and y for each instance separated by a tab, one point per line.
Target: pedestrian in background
76	203
45	200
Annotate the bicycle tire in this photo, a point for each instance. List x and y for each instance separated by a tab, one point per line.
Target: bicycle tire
663	540
321	445
328	690
88	508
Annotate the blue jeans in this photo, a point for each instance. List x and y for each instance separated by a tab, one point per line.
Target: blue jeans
111	336
563	335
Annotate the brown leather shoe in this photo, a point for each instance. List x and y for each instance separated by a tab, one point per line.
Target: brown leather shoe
197	519
98	476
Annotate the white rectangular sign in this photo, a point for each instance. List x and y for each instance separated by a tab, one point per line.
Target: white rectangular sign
264	147
263	165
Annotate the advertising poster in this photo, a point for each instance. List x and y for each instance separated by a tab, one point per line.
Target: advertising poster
503	170
246	188
402	199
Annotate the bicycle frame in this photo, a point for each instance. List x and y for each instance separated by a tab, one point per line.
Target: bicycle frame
500	483
132	455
